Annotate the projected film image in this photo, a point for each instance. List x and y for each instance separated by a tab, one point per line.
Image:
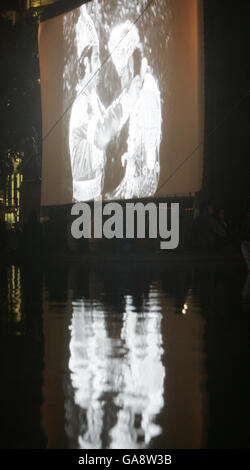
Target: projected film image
92	126
121	96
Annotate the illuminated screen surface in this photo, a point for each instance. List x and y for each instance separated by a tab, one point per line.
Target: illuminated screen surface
122	101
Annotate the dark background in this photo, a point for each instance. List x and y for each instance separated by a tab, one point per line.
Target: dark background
227	104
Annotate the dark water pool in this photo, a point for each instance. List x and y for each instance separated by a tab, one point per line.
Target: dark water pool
124	355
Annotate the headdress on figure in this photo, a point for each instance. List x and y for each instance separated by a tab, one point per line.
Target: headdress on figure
86	34
124	39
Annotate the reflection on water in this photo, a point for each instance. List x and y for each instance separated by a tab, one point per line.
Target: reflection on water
15	298
124	356
117	377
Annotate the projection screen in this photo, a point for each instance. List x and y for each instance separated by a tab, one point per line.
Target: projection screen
122	101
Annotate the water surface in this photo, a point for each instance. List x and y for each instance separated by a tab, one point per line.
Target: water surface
124	355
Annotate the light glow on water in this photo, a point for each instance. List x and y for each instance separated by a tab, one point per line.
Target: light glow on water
121	376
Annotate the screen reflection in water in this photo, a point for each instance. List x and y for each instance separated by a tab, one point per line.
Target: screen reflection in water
117	374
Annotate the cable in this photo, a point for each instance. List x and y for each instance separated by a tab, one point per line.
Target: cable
243	98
